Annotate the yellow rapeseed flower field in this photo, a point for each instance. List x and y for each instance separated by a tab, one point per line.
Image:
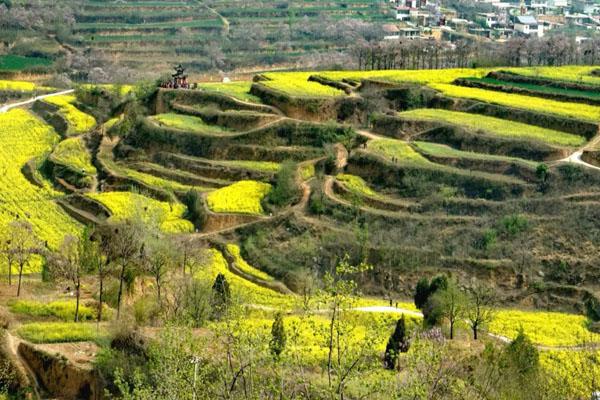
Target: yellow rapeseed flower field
24	137
297	84
73	153
494	126
79	122
545	328
242	197
128	205
545	106
234	250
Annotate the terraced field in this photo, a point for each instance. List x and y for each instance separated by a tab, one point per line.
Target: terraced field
419	183
26	138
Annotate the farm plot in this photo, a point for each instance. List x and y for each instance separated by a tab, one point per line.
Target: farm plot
544	328
297	84
357	185
440	150
188	123
78	121
235	252
24	137
396	151
127	205
544	106
569	73
246	291
73	153
242	197
240	90
17	63
495	126
539	90
410	76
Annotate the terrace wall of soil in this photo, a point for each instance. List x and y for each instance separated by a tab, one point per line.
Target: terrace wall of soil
513	77
265	153
229	173
234	120
65	172
166	98
549	121
316	109
368	201
525	91
334	84
385	173
487	165
462	139
59	376
50	114
399	128
174	175
591	157
216	222
287	132
231	262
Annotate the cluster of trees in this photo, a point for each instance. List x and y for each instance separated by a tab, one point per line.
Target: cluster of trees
551	50
442	299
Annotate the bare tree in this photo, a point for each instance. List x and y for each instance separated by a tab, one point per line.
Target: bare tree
451	304
66	264
24	244
123	247
158	259
480	306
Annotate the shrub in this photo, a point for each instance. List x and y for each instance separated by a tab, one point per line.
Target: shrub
513	224
278	336
195	208
221	296
397	343
285	189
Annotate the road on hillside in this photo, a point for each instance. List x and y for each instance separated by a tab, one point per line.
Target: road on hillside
7	107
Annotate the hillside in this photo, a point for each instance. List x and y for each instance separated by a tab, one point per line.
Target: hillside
122	36
326	196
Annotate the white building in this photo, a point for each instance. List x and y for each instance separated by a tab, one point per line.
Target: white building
527	25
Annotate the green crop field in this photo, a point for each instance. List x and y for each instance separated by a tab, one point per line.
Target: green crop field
396	151
495	126
188	123
239	90
441	150
18	63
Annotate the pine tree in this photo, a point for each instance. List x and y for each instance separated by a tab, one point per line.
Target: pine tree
221	296
278	336
398	343
421	293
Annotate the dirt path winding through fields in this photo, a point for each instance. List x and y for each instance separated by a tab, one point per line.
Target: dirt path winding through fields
7	107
